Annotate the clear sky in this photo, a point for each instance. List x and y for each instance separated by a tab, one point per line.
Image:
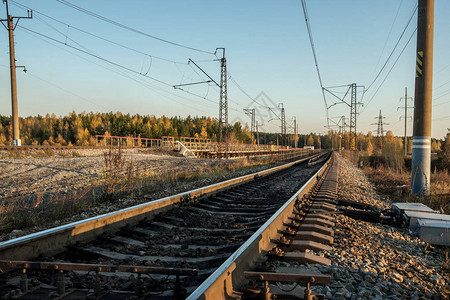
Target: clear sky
267	50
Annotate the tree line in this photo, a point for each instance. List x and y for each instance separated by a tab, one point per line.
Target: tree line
80	129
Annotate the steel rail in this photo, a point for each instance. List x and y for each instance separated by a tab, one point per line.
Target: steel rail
227	278
55	240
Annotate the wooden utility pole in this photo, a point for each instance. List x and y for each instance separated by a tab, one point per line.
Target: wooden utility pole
12	62
421	149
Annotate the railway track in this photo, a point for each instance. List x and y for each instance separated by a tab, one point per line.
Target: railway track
168	248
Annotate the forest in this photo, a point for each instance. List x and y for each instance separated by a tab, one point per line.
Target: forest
79	129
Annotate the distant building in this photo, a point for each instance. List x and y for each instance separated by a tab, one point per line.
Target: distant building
309	147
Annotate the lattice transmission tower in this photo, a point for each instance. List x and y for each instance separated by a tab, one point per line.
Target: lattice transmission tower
353	116
223	107
380	124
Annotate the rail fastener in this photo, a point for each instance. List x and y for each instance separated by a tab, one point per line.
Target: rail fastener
303	279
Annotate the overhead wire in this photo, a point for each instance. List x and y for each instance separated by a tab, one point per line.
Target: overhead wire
66	90
120	72
389	72
387	39
95	35
110	21
233	80
436	88
94	55
243	91
308	26
442	118
114	63
393	50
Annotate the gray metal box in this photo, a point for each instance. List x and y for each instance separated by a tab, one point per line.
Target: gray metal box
401	207
435	232
412	218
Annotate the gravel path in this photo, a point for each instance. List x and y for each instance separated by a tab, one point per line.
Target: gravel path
374	261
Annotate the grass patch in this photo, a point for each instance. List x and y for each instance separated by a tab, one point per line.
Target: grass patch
26	211
396	186
120	180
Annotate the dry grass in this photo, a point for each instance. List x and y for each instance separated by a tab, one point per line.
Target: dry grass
26	211
120	179
396	186
119	175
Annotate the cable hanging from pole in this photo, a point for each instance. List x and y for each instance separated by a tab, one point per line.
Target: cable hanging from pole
105	19
92	34
389	72
37	34
308	26
393	50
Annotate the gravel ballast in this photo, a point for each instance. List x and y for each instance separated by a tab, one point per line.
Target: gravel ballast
375	261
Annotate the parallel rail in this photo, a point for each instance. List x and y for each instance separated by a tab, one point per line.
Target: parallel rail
54	240
228	278
17	253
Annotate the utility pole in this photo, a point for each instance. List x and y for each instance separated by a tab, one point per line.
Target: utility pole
353	115
295	132
223	106
12	62
342	128
223	139
251	113
421	149
283	125
406	118
257	133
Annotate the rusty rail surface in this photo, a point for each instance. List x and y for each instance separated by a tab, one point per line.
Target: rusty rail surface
227	280
55	240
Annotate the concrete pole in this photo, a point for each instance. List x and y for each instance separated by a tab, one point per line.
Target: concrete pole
257	134
12	62
421	151
406	116
295	132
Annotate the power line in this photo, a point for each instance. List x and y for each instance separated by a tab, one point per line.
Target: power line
243	91
111	62
387	39
393	50
126	69
65	90
387	75
308	26
137	80
94	55
442	118
105	19
441	103
93	35
441	85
